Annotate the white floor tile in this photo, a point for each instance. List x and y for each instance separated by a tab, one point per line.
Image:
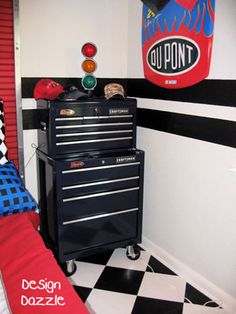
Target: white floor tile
119	259
107	302
86	274
198	309
164	287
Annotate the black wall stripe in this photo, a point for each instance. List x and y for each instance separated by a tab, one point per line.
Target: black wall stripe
31	119
214	92
207	129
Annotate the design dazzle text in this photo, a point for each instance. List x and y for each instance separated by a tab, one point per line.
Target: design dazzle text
52	299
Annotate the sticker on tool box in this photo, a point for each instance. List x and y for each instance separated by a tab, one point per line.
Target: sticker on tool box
66	112
77	164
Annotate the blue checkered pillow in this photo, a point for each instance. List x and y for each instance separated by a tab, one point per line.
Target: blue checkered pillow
14	197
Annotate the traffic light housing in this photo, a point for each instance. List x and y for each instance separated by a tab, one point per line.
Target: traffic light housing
89	81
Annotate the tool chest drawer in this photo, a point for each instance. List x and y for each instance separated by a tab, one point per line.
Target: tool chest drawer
86	126
103	172
102	231
93	188
99	203
89	201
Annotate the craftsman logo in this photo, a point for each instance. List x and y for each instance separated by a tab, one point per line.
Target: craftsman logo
118	111
173	55
121	160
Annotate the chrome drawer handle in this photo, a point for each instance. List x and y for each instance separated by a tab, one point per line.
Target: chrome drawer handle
101	167
92	125
94	117
95	141
69	119
109	117
76	198
93	133
100	216
70	187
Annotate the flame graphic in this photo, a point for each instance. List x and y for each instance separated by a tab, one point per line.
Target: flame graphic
173	16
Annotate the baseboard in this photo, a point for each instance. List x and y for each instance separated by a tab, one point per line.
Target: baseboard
195	279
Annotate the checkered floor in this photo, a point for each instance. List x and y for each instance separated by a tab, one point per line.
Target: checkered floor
110	283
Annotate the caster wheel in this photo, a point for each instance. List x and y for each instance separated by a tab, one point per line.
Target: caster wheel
69	268
133	252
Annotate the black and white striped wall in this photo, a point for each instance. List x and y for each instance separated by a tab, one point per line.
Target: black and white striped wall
189	139
188	134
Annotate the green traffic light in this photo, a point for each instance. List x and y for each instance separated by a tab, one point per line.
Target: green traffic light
89	81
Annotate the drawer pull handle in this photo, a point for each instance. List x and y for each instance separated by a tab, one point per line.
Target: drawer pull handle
93	133
65	200
93	117
98	183
95	141
100	216
92	125
69	119
101	167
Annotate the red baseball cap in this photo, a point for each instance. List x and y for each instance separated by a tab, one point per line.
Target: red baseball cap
47	89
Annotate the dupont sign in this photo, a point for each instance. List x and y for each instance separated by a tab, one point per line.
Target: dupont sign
173	55
177	43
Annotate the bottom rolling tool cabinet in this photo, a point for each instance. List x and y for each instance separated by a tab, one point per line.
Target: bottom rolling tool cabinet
90	204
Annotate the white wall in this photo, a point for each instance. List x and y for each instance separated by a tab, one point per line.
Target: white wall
190	199
52	34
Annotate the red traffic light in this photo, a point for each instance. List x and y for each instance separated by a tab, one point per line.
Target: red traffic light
89	50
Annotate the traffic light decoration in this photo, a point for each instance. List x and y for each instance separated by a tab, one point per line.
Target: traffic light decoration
89	81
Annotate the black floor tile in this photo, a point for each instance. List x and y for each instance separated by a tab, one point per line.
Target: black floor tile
120	280
101	258
82	292
155	306
158	267
141	249
197	297
128	281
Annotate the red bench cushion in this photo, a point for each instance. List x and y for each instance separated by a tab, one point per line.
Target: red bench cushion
33	280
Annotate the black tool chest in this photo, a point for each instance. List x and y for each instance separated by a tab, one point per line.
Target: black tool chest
83	127
90	177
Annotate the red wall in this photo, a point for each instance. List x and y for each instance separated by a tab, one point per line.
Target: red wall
7	76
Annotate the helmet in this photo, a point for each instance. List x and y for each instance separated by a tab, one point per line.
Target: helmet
71	93
47	89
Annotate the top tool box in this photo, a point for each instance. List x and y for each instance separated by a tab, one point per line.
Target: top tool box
83	127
